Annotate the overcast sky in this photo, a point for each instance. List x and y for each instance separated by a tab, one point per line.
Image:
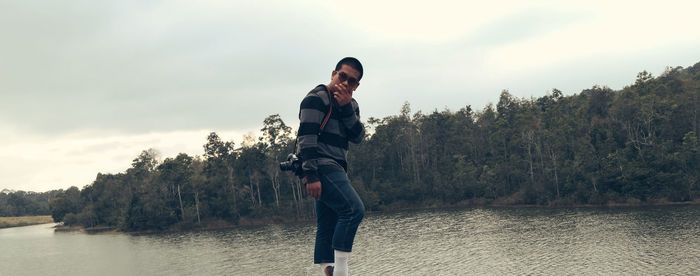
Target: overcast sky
86	85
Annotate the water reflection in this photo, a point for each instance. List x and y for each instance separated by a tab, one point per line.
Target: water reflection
482	241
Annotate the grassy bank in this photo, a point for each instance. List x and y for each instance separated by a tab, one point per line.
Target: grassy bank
6	222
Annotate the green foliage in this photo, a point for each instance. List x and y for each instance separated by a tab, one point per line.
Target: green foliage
636	145
65	203
21	203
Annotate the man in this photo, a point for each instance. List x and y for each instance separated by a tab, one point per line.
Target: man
322	146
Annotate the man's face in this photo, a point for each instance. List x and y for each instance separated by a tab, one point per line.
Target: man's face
346	76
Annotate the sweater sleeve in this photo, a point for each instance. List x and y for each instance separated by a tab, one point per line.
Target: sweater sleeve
350	117
311	114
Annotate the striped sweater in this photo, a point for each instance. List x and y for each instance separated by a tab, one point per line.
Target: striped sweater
327	151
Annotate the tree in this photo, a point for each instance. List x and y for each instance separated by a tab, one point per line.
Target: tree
177	173
221	193
277	135
65	203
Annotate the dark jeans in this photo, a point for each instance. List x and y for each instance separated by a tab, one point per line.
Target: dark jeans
338	212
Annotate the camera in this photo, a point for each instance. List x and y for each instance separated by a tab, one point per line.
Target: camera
293	164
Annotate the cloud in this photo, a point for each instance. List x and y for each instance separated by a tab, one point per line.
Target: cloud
158	66
527	24
619	29
139	66
39	163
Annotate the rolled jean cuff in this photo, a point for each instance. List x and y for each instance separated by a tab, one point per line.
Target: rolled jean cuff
323	261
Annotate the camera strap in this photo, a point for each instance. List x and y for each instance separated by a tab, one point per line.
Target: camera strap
325	120
328	115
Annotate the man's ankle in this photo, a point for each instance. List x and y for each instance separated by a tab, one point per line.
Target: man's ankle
327	269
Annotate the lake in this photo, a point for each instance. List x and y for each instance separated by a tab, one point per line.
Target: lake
656	240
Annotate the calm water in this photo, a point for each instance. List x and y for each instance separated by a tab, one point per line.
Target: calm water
484	241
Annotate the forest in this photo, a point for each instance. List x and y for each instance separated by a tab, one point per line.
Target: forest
638	145
21	203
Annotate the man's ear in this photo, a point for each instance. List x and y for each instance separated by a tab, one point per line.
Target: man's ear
333	73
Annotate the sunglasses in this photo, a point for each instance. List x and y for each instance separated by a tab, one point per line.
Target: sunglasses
342	77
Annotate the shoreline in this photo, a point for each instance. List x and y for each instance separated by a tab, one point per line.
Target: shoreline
479	203
219	224
484	204
10	222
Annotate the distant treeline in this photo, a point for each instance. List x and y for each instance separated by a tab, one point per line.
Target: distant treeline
21	203
636	145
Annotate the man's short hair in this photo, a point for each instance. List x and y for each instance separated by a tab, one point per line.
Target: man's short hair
352	62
